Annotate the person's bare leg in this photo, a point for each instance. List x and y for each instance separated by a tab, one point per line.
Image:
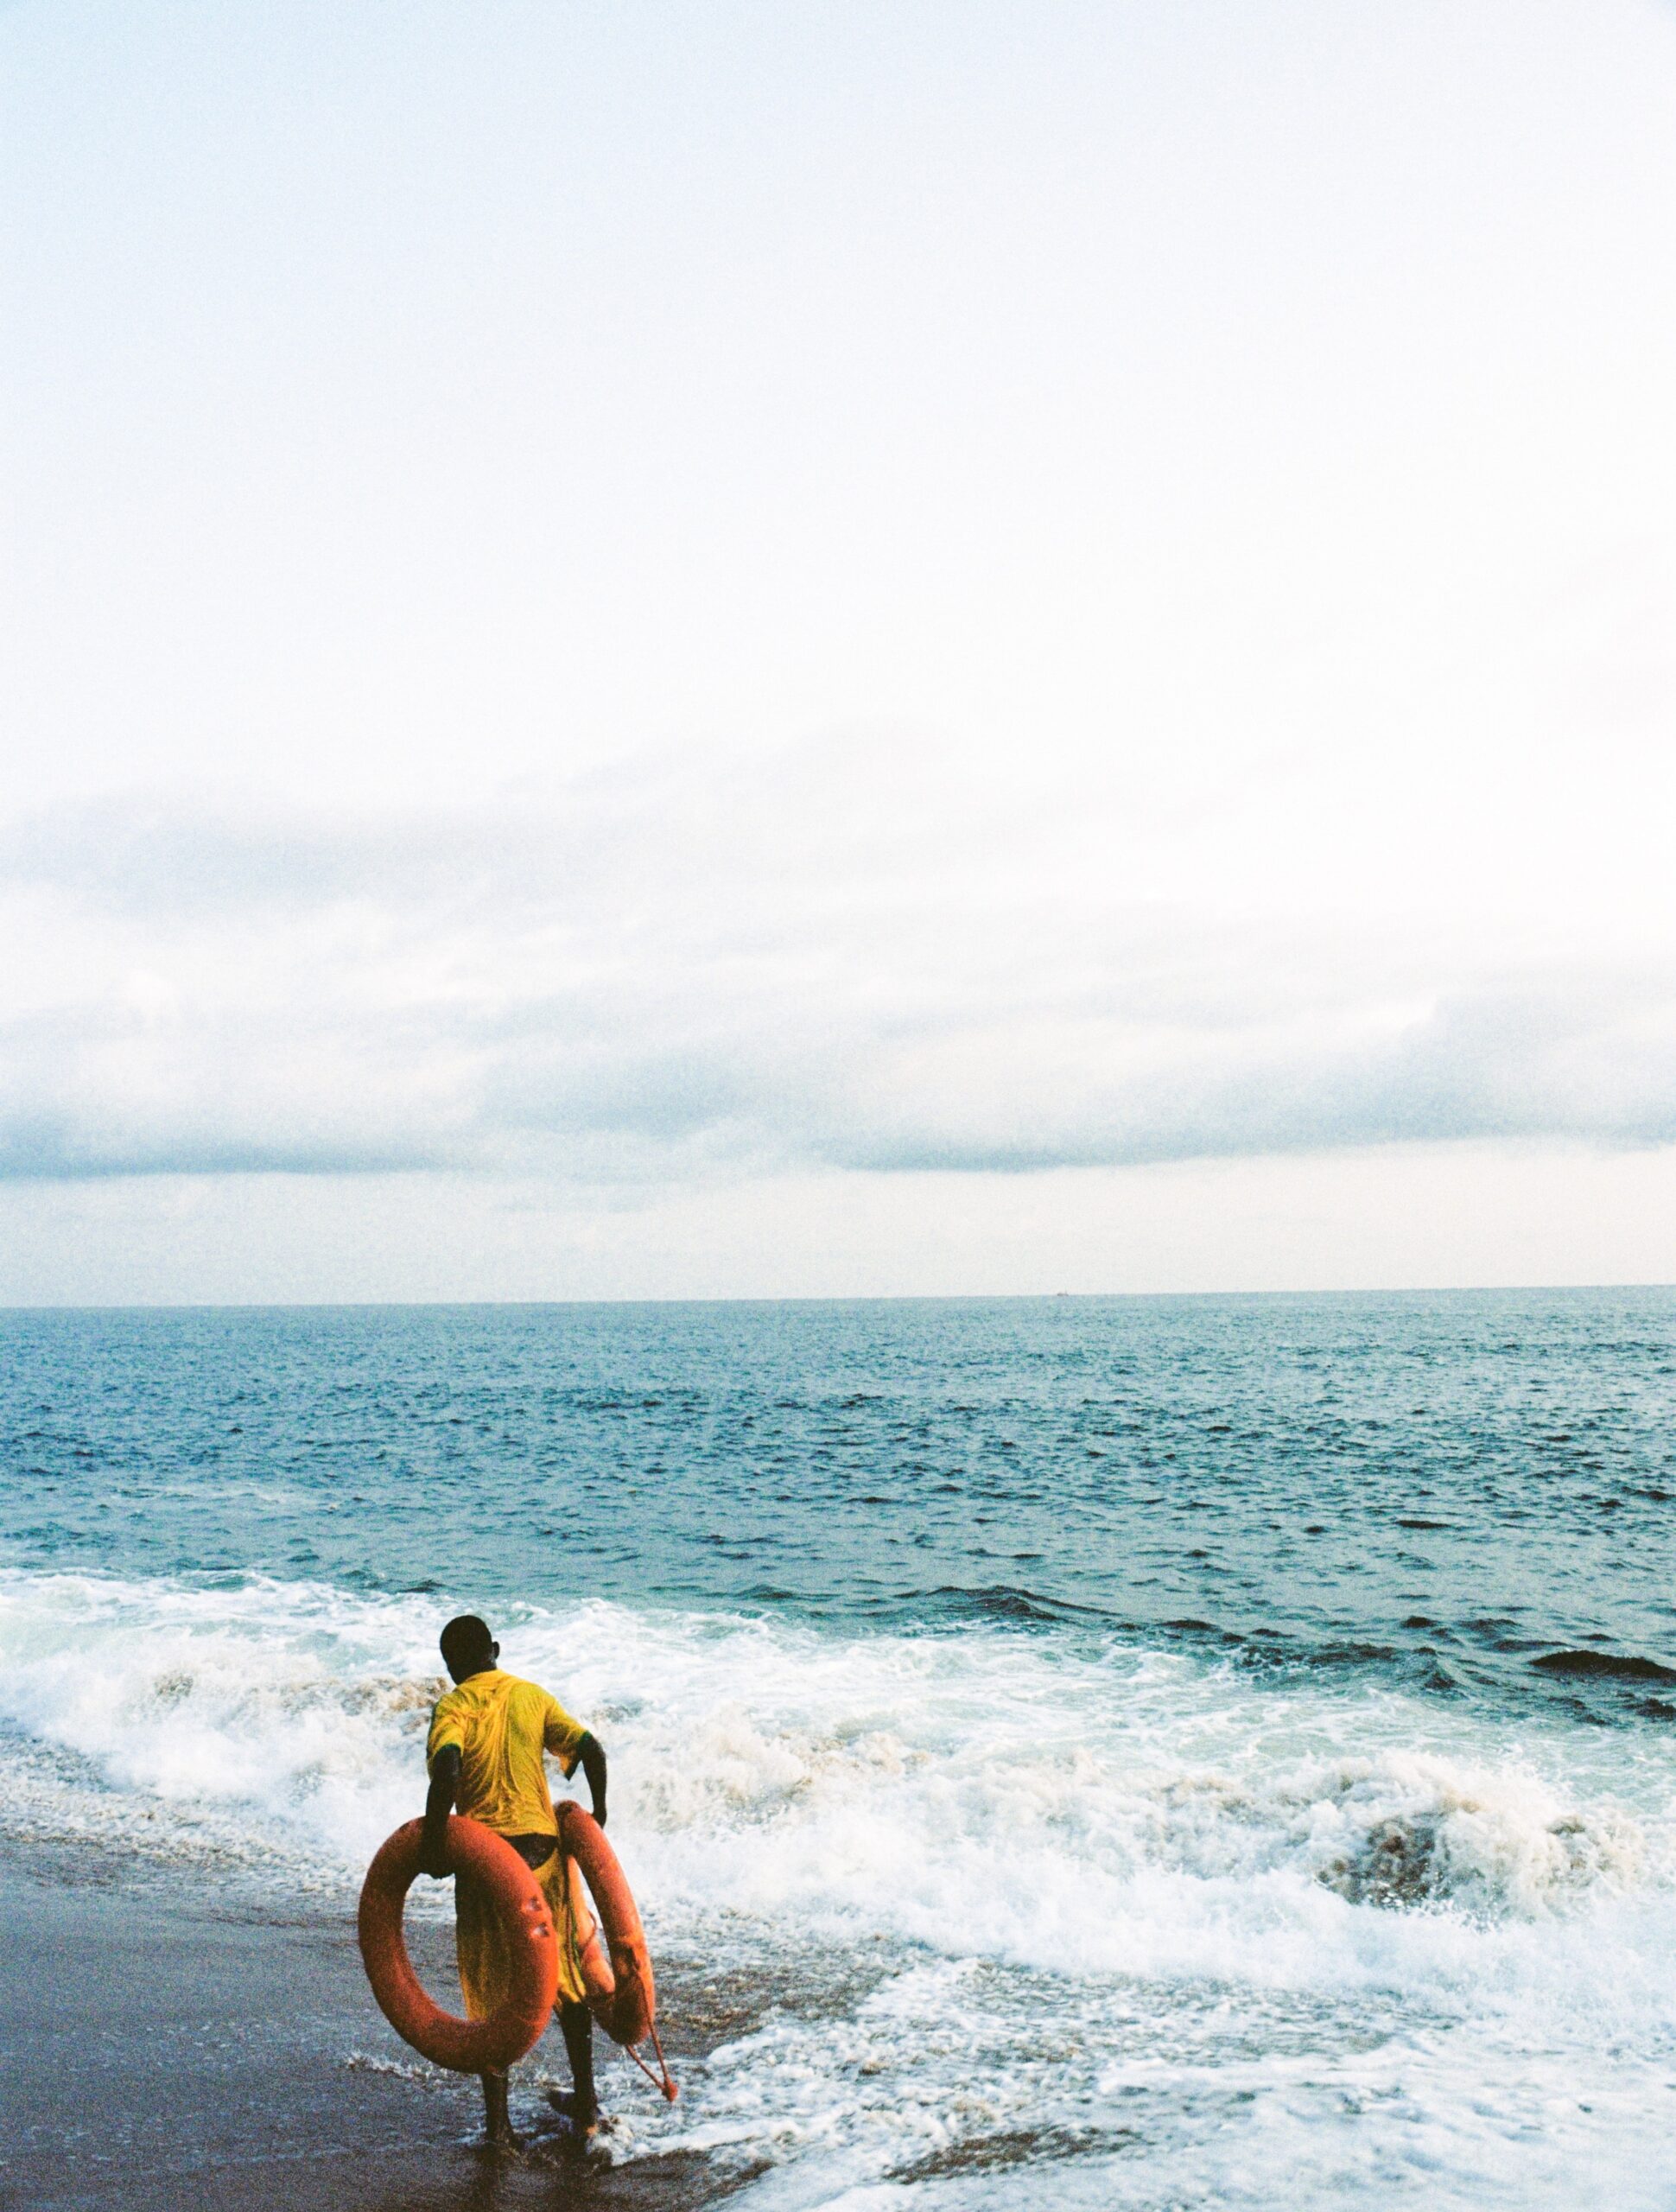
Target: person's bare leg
497	2122
582	2107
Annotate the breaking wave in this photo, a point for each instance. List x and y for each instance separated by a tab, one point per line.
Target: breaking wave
1061	1805
1004	1904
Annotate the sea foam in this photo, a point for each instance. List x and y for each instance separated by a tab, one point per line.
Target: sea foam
1072	1874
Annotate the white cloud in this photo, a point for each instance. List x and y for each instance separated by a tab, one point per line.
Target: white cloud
1211	469
666	975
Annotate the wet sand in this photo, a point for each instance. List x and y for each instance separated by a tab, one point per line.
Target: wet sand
159	2051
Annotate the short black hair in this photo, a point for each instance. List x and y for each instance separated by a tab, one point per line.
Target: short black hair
467	1644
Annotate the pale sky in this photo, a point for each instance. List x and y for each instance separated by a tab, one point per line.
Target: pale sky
711	649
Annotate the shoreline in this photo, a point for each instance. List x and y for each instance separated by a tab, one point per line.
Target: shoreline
157	2046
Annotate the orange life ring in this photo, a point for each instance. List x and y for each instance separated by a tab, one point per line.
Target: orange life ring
619	1987
469	2046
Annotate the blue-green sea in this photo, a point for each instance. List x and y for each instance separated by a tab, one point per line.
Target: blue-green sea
1152	1751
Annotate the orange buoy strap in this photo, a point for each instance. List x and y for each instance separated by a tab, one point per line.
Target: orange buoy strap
662	2080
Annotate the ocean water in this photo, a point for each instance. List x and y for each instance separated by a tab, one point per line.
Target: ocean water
1134	1752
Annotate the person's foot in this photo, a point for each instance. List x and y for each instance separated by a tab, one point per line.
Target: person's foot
581	2125
575	2127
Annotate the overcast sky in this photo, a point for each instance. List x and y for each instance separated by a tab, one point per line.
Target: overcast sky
704	649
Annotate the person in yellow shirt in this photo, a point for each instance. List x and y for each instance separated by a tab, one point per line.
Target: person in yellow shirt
484	1757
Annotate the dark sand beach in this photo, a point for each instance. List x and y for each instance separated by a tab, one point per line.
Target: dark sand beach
160	2051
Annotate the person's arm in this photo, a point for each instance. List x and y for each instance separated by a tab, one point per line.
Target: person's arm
444	1788
591	1755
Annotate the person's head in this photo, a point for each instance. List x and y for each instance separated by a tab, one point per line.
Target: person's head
467	1646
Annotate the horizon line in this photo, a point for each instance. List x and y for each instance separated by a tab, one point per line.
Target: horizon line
816	1298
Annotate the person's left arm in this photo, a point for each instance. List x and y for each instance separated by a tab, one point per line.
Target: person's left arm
573	1746
591	1757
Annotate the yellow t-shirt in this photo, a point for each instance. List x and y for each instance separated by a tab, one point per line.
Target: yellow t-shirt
502	1726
